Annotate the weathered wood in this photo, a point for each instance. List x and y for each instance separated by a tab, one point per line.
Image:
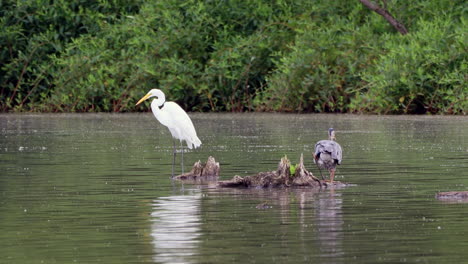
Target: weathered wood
208	170
280	178
303	177
454	196
263	206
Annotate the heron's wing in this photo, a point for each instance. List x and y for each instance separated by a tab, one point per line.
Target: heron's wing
320	147
330	147
181	125
338	153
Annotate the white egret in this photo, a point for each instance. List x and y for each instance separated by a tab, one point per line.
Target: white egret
328	154
171	115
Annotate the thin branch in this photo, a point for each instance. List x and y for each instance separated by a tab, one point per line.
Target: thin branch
383	12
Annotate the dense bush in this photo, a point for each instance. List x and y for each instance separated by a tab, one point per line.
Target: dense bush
424	72
206	55
33	30
357	63
284	55
321	69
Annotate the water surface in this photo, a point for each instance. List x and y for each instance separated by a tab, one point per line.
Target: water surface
96	188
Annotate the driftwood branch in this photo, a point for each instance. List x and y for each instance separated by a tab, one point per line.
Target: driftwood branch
383	12
453	197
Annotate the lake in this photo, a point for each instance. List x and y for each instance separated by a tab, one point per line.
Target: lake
96	188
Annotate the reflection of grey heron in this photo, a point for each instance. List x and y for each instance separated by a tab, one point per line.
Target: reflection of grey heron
328	154
329	225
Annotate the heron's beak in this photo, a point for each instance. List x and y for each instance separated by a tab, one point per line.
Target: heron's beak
143	98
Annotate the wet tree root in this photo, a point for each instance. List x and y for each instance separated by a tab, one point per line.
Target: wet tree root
281	178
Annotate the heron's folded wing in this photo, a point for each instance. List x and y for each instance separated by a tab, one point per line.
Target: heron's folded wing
329	147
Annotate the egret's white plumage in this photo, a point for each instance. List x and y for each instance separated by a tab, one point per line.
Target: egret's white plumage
171	115
328	154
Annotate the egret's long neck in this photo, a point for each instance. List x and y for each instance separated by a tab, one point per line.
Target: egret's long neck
160	99
157	107
160	115
155	104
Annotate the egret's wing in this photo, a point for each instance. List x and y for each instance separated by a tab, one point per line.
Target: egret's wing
181	124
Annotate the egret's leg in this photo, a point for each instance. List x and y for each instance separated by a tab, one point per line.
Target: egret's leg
173	156
182	148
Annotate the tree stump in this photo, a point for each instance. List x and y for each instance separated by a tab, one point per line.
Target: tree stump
207	171
281	178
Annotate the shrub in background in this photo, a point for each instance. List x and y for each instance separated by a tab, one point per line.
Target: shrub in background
204	55
34	30
285	55
424	72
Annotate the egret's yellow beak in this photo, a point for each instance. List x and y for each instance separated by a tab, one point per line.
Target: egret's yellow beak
143	98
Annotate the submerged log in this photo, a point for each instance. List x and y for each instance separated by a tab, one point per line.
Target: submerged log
280	178
454	196
202	171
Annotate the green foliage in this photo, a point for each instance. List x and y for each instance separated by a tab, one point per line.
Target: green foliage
34	30
292	170
319	71
204	55
356	63
424	72
284	55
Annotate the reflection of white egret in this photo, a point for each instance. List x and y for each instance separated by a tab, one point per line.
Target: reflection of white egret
171	115
176	228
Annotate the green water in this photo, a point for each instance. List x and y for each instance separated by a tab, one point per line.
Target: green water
97	189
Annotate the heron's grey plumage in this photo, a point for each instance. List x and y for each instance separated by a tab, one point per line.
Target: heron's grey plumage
328	153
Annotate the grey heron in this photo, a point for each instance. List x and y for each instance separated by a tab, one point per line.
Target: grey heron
328	154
